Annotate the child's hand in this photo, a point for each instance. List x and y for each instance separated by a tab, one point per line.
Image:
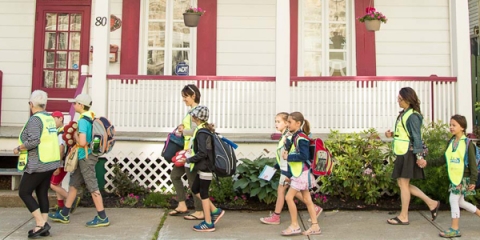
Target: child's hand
180	128
56	172
388	134
459	186
471	187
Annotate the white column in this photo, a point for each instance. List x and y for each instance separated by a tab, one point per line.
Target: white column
282	61
101	50
460	31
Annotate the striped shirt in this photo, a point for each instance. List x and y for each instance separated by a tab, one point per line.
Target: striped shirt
31	139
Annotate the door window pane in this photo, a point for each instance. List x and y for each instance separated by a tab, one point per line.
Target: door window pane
313	64
155	63
60	81
61	59
179	7
72	79
156	34
48	79
74	60
74	41
313	36
49	60
313	10
51	22
338	9
179	57
63	21
181	36
75	22
157	9
50	40
62	40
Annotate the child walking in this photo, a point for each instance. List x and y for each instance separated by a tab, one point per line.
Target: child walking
462	172
201	163
302	179
282	164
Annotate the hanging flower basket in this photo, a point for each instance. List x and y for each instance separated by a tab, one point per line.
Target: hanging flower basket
372	25
191	19
191	16
373	19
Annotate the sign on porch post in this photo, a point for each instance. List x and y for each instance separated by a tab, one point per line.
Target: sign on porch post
101	46
282	57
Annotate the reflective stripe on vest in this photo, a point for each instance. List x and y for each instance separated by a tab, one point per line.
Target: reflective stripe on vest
48	150
296	168
456	160
401	141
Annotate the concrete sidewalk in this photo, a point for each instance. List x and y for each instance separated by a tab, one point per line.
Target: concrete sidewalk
142	223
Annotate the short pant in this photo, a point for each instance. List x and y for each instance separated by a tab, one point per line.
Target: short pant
57	179
85	173
304	182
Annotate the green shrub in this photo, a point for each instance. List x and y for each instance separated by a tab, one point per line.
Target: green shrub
124	185
363	166
249	183
157	200
223	193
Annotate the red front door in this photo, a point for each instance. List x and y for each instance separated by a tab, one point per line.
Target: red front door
61	46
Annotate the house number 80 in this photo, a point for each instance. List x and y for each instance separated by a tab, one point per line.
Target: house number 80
100	21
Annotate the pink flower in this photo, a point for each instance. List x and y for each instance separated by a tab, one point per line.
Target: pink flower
370	9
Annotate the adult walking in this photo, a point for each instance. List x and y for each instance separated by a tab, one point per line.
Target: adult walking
408	147
39	158
191	98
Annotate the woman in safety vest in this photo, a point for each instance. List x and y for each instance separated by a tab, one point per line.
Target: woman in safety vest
408	147
462	173
191	97
39	158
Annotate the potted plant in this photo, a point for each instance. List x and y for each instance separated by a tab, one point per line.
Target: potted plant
192	15
372	19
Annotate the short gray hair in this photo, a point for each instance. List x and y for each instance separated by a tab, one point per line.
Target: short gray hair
39	98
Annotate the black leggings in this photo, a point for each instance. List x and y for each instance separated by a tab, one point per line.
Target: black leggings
201	186
40	182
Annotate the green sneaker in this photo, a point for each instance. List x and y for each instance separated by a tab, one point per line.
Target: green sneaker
58	217
450	233
75	204
98	222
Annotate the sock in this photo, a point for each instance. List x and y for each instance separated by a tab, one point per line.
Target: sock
102	214
60	203
65	211
276	213
209	223
217	211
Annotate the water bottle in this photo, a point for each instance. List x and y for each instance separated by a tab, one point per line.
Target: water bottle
96	145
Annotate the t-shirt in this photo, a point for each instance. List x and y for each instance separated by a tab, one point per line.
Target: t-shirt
85	127
60	143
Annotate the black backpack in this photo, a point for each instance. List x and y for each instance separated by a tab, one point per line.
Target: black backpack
224	159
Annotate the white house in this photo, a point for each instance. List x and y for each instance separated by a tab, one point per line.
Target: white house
250	58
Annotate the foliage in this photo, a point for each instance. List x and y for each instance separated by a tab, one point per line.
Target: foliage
195	10
363	166
249	183
157	199
224	192
319	199
130	200
372	14
124	185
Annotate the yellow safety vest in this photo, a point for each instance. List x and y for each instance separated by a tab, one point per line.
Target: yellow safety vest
280	148
296	168
456	160
401	141
48	150
187	124
192	165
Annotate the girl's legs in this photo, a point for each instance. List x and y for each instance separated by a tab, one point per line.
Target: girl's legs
415	191
176	177
191	176
311	211
280	198
292	208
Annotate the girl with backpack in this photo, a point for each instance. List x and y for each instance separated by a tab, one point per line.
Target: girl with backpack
191	97
462	172
302	180
201	163
282	164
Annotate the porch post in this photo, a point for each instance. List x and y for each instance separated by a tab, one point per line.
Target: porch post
282	61
459	24
101	52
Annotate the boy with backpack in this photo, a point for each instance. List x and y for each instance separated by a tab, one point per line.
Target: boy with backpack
85	172
59	174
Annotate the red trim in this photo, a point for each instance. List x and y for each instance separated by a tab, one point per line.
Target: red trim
64	3
293	37
200	78
130	37
376	79
207	39
365	42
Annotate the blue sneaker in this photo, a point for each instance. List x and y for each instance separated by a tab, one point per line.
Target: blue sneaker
98	222
58	217
204	227
216	216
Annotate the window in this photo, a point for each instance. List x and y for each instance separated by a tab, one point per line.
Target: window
168	42
324	38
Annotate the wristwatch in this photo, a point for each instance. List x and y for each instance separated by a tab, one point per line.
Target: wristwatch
419	156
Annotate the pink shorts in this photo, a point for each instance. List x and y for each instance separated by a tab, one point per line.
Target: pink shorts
57	179
304	182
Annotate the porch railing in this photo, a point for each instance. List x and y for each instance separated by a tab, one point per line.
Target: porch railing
247	104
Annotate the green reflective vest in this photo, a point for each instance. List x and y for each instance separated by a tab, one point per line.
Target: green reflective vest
401	141
187	124
48	150
456	160
296	168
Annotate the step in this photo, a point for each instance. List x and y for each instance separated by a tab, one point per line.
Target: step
9	198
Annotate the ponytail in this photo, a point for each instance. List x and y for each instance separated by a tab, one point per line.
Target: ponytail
306	127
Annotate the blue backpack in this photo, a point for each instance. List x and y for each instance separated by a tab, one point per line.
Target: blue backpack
477	160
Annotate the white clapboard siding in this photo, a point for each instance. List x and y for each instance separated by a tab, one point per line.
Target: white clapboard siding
416	39
473	14
17	19
246	38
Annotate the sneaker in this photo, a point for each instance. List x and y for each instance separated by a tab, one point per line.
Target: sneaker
216	217
204	227
273	219
318	212
75	204
54	209
98	222
58	217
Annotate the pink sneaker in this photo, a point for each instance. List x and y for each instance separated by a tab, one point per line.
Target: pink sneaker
273	219
318	211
